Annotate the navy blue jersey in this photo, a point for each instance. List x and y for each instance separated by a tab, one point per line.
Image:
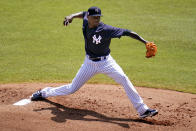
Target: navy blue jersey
97	40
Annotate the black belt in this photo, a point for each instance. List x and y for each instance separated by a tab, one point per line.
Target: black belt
97	58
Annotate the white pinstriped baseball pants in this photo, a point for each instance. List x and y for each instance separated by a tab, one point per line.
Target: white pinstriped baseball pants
88	70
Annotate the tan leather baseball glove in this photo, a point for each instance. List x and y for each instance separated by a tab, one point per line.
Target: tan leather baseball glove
151	49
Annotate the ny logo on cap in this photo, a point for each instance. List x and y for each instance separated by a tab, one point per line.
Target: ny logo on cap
97	10
97	40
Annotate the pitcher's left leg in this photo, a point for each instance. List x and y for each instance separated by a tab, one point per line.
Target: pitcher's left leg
113	70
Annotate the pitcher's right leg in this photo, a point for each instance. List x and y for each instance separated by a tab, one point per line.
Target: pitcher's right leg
83	75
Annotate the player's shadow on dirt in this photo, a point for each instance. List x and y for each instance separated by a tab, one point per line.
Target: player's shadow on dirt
63	113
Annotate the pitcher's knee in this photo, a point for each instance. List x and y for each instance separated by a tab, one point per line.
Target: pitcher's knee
72	88
122	79
71	91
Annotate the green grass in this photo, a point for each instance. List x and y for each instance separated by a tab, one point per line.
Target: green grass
35	47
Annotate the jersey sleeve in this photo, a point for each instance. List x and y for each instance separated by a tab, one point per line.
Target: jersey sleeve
114	32
85	19
84	13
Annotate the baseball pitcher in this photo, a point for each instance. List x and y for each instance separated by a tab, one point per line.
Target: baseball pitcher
97	36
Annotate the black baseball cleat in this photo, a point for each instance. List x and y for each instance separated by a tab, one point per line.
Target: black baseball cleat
37	96
149	112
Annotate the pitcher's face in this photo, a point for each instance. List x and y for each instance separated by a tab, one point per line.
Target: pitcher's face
93	21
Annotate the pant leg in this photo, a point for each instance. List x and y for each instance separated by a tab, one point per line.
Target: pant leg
84	74
113	70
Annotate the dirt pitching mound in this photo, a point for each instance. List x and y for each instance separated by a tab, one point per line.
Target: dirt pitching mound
94	108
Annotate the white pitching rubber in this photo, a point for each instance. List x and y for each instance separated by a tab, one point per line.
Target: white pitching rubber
22	102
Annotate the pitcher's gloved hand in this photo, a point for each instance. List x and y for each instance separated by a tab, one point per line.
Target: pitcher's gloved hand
151	49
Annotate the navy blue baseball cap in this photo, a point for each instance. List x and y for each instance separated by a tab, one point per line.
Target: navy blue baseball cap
94	11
